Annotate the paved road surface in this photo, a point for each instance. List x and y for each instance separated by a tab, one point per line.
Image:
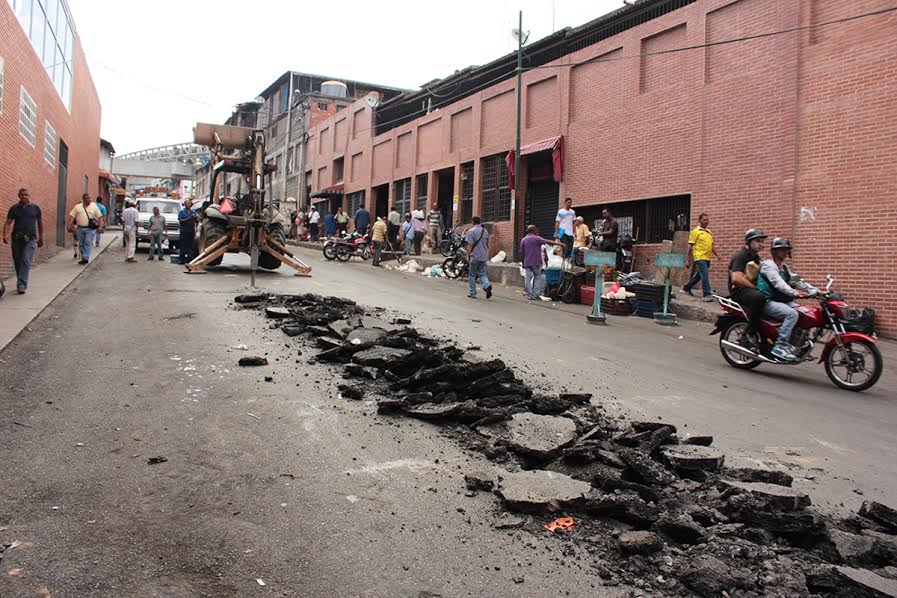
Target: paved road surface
283	482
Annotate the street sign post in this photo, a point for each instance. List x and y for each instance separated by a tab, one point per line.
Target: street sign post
668	261
599	259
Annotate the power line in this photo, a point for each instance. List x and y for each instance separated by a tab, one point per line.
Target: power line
598	59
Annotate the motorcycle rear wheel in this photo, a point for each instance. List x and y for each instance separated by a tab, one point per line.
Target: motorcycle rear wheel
861	355
366	253
343	253
451	268
330	250
734	334
446	249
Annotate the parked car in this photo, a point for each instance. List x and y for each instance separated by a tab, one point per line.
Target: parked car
169	208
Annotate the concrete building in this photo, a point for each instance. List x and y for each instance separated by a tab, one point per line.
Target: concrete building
658	111
49	115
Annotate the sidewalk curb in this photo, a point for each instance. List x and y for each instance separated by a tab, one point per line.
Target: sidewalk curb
27	321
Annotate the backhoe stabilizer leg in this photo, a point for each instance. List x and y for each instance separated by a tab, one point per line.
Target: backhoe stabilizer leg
209	253
280	252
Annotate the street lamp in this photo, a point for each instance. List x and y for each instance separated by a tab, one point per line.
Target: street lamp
521	38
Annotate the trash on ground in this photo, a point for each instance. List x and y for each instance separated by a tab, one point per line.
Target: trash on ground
156	460
560	524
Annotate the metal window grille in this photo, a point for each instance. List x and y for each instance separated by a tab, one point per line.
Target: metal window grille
496	205
466	192
354	201
27	117
401	192
421	202
50	141
666	215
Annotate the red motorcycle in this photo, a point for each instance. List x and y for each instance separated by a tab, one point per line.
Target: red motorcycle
353	246
852	359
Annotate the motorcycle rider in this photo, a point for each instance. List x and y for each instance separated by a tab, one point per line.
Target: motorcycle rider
778	285
742	285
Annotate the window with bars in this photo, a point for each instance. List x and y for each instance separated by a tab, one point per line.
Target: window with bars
27	117
466	192
354	201
401	196
421	202
338	167
652	220
496	195
50	141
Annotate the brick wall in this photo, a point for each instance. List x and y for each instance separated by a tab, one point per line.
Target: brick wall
793	133
22	165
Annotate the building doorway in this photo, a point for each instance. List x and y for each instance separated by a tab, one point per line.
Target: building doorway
381	200
445	193
61	191
542	193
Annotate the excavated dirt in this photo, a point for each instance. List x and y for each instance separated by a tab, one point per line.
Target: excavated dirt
651	511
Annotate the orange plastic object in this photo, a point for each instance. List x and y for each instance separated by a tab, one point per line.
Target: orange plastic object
562	524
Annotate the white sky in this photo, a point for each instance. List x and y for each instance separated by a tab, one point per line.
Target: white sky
161	65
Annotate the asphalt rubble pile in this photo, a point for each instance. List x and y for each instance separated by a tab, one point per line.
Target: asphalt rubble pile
651	510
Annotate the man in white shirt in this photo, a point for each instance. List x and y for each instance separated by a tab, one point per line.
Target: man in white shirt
129	224
564	227
313	218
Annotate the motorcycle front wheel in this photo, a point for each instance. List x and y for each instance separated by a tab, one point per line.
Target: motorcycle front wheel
343	253
856	366
734	334
451	268
445	248
366	253
330	250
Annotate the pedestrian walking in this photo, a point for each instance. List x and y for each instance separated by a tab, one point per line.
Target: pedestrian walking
156	227
420	228
378	238
393	225
342	221
129	226
293	224
408	233
477	243
531	250
563	226
434	227
84	220
362	220
27	235
329	225
313	219
701	251
105	220
188	218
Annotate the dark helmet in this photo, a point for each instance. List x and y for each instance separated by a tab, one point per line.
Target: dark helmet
753	233
780	243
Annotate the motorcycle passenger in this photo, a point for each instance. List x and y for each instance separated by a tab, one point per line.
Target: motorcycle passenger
742	286
780	289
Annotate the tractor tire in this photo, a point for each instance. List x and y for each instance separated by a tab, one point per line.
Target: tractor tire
212	231
266	260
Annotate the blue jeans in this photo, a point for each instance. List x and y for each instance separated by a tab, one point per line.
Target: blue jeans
22	255
702	273
532	282
409	241
85	241
788	315
97	244
156	244
477	272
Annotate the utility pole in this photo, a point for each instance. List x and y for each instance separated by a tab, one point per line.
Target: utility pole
515	203
286	142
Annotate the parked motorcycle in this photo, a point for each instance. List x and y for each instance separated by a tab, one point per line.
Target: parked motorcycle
354	246
852	360
456	266
450	243
330	244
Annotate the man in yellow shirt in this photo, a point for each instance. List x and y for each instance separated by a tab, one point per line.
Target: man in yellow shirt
84	220
701	251
378	237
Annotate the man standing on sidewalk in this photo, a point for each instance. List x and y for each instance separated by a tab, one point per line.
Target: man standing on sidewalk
434	226
129	227
362	220
85	219
103	211
393	224
27	236
187	219
531	249
563	226
477	241
156	228
700	241
378	238
313	219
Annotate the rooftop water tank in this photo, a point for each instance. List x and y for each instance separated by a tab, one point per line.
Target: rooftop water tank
336	89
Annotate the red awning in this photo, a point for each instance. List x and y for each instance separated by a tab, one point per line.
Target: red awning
554	144
108	177
332	191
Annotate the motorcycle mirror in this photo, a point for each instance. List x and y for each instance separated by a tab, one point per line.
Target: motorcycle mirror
830	280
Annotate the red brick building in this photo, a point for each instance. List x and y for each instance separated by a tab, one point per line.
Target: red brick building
794	132
49	115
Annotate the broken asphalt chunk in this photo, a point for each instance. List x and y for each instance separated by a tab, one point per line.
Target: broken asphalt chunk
252	361
640	542
251	298
693	457
681	529
849	582
540	490
777	497
649	471
156	460
541	436
880	513
380	357
278	312
479	480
